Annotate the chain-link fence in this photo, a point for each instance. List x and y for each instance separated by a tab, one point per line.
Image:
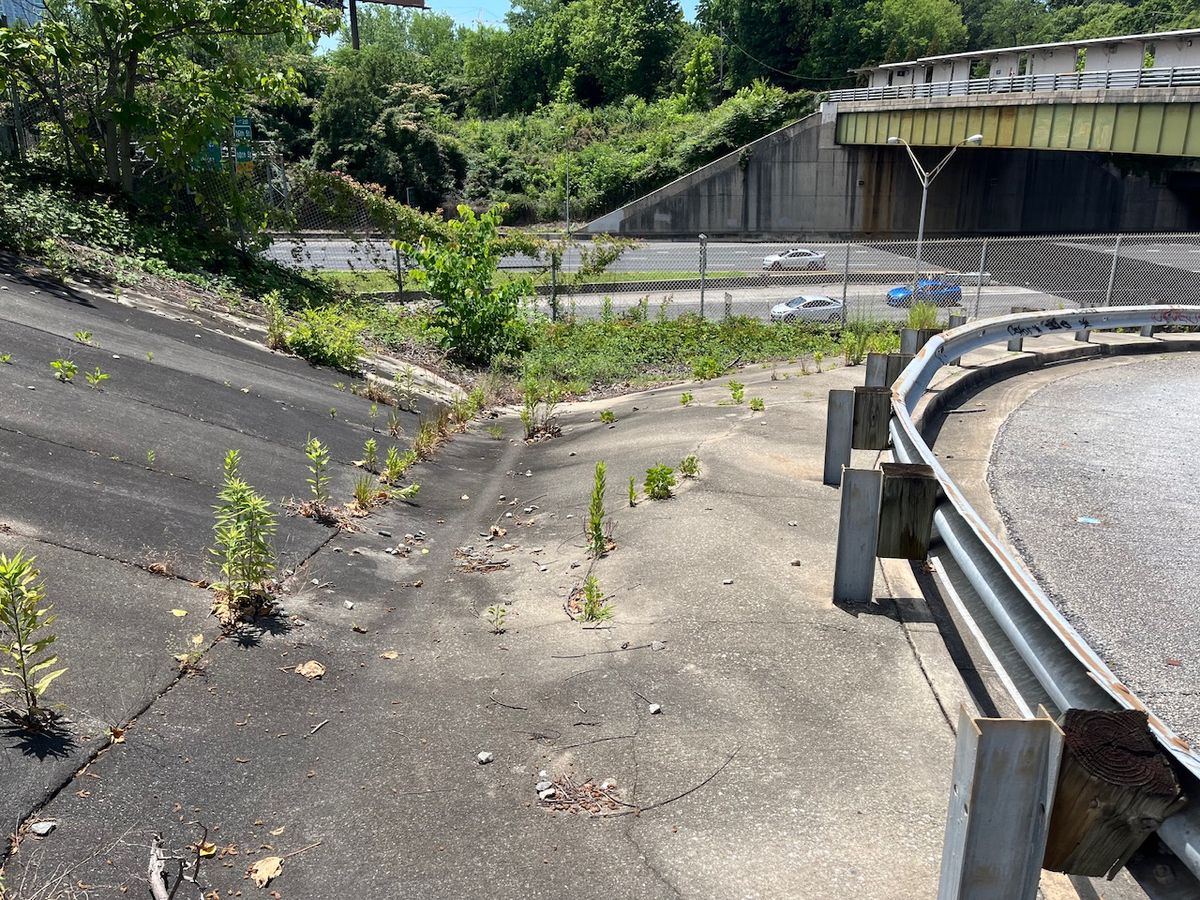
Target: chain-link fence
820	281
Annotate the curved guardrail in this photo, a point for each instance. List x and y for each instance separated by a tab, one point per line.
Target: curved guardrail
1067	669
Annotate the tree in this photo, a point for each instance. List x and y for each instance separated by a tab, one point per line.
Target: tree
168	75
700	73
896	30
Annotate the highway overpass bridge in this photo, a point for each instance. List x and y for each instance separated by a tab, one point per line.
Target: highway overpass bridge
1096	135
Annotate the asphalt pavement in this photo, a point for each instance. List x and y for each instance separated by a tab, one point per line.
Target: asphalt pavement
800	748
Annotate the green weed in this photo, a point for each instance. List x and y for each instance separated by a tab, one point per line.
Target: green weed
370	460
659	481
597	542
64	369
737	392
757	404
607	416
244	529
495	616
24	623
685	398
632	490
318	469
689	466
95	379
594	607
84	337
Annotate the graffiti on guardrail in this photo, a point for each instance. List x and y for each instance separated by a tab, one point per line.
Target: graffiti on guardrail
1033	329
1176	317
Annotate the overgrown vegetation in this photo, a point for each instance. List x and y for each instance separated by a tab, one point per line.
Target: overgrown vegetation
922	314
29	668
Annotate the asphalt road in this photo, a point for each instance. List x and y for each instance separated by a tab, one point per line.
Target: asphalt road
1095	478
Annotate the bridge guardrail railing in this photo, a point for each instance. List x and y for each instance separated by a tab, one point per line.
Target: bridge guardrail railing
1114	79
1068	672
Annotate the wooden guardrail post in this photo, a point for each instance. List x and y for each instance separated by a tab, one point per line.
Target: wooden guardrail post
858	528
839	426
908	497
1085	335
1115	787
896	363
872	412
908	341
877	370
1147	331
1005	771
957	320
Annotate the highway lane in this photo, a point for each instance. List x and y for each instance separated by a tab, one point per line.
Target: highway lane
1095	476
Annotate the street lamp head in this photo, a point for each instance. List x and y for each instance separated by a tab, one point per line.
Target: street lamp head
974	139
893	140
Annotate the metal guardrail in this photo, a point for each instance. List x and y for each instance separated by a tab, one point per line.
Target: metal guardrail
1068	670
1181	76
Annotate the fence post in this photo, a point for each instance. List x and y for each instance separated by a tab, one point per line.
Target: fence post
703	269
858	531
910	340
979	281
845	284
728	304
399	272
1112	273
839	423
1005	774
553	287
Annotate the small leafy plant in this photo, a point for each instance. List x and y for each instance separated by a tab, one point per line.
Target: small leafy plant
495	616
95	379
818	358
84	337
689	466
6	359
318	468
538	410
190	659
922	314
277	324
607	416
333	412
757	404
64	369
594	607
244	529
396	464
395	427
426	439
366	493
737	392
151	455
659	481
685	398
407	492
370	460
632	491
597	541
24	620
496	432
707	368
149	356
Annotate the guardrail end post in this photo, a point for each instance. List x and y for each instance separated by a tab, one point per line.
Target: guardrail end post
839	426
872	412
858	531
1016	344
1005	774
957	320
1147	331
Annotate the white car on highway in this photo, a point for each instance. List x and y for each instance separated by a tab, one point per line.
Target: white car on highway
808	308
796	258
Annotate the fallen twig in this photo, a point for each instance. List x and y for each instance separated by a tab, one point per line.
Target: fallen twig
638	810
317	728
615	737
597	652
505	705
302	850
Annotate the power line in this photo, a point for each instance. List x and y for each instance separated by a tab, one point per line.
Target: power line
767	65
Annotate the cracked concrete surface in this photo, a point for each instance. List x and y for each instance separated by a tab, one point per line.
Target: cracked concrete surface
833	753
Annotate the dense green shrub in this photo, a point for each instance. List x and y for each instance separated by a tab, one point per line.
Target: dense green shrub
326	337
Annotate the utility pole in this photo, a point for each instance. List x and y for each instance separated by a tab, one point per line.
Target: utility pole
353	24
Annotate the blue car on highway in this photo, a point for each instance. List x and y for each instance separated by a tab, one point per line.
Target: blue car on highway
938	293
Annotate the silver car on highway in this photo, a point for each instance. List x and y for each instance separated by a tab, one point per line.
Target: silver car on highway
796	258
808	308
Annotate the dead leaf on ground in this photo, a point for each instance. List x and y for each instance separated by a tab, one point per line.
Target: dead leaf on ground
389	654
207	849
310	670
179	613
276	832
265	869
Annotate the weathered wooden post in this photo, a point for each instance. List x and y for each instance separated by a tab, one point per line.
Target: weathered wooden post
872	412
957	320
896	363
877	370
1085	335
858	528
1147	331
839	426
908	340
908	497
1115	787
1005	771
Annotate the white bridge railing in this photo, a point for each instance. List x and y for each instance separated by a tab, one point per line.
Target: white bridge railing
1069	673
1183	76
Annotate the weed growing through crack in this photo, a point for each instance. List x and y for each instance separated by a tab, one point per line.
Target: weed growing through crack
538	411
333	412
594	607
757	404
373	413
407	492
339	386
659	481
632	490
370	460
149	356
689	466
150	457
277	326
64	369
318	468
496	432
24	623
84	337
192	656
495	616
366	493
406	381
597	542
6	359
244	529
426	440
95	379
394	426
607	416
374	390
737	392
685	398
396	464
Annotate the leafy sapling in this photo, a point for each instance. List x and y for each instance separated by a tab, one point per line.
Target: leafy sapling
597	542
94	379
84	337
243	533
659	481
370	460
25	640
757	404
685	398
737	392
689	466
607	416
632	491
495	616
64	369
318	468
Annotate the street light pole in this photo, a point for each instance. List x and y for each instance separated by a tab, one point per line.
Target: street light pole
926	179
